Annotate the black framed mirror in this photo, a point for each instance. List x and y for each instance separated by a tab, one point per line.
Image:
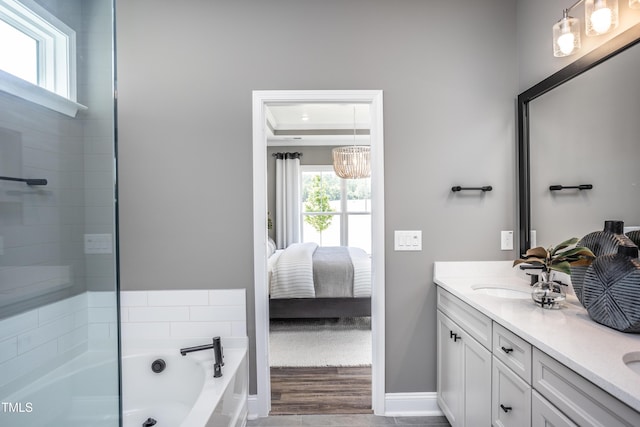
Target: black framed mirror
613	47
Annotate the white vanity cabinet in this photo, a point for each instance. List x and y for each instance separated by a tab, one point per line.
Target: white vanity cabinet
489	376
511	379
464	363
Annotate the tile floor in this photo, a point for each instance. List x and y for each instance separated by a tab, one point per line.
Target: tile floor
347	421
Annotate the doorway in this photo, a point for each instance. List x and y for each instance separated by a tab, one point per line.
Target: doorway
261	99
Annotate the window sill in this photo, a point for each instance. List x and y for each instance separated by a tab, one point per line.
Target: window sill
32	93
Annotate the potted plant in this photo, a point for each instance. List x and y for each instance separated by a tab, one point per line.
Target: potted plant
562	257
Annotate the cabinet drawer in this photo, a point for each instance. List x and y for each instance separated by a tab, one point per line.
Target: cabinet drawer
471	320
511	398
582	401
513	351
544	414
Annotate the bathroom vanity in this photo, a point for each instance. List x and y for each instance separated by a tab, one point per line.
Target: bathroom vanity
504	361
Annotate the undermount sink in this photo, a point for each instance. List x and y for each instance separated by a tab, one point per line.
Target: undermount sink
632	360
503	292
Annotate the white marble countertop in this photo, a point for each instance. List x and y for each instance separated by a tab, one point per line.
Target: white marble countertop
567	334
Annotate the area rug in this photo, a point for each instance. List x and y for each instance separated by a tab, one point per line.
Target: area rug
320	342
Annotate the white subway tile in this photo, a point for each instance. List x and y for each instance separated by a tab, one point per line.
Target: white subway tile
178	298
200	329
8	349
73	339
124	314
27	362
12	326
158	314
145	330
101	299
102	314
133	298
62	308
227	297
218	313
98	330
238	329
45	333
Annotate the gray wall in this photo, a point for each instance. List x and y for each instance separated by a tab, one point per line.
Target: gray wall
186	72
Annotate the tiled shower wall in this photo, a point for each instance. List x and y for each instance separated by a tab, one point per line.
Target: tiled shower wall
35	342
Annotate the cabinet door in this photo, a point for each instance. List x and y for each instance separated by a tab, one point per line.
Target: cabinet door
476	368
544	414
511	398
449	375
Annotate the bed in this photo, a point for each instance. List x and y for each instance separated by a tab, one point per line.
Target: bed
311	281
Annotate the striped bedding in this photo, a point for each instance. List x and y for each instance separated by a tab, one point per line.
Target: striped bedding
292	274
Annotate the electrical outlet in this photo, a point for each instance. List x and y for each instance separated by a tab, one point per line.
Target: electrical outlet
506	240
533	239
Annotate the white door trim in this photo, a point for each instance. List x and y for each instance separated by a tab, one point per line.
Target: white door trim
260	100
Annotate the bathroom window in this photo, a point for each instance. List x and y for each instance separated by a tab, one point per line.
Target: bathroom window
37	53
335	212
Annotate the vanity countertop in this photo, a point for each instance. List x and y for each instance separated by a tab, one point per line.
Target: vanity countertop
567	334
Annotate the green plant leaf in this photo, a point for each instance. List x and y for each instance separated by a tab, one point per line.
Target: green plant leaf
538	252
563	267
564	245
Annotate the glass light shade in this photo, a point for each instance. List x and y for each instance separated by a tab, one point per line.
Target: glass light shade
601	16
634	4
352	162
566	36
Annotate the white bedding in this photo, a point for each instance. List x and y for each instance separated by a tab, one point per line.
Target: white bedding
291	272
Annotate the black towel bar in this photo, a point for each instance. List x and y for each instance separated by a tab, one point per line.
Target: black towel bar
28	181
458	188
568	187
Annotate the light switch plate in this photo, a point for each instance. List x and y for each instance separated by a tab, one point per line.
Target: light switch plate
408	240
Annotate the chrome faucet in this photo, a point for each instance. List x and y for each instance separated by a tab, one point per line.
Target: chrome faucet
217	354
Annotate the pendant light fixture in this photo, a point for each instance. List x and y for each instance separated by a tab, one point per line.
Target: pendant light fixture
601	16
634	4
352	162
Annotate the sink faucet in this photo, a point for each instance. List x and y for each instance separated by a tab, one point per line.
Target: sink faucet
217	354
534	276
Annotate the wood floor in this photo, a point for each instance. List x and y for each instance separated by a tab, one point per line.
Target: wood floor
327	390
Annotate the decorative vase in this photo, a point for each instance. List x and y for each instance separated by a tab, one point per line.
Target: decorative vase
603	242
611	292
634	236
548	293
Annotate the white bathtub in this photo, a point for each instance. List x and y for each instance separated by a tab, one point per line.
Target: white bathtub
81	392
185	392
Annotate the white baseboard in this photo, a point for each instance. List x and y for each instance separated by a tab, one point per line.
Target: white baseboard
396	405
252	407
411	405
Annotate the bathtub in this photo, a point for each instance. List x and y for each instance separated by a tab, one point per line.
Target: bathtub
81	392
184	393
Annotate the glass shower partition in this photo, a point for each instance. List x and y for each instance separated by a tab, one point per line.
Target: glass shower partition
59	344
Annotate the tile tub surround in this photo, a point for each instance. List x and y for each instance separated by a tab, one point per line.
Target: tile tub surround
39	340
567	334
183	314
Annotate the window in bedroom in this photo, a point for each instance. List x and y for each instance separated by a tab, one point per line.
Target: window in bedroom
335	212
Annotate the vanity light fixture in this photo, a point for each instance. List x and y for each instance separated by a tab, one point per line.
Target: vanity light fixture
352	162
601	16
634	4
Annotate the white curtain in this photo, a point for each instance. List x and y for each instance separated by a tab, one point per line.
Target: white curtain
287	199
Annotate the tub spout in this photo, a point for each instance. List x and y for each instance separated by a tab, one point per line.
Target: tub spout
217	353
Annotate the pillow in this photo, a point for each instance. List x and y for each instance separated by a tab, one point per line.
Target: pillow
271	247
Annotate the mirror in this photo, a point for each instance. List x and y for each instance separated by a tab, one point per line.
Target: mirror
581	130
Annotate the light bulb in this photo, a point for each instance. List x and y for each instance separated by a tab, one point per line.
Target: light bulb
566	43
601	20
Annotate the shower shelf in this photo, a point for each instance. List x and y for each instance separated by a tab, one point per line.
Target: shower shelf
28	181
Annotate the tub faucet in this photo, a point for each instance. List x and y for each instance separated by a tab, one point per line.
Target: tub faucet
217	354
